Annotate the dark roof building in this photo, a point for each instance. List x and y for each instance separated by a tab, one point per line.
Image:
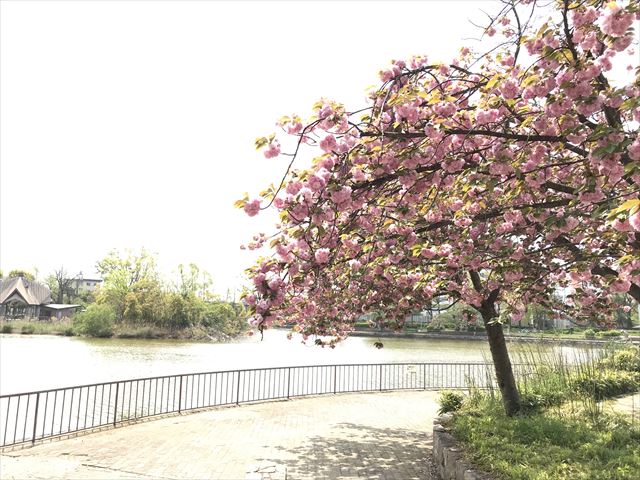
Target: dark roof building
20	297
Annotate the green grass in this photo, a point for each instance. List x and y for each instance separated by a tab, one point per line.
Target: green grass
562	431
548	445
36	327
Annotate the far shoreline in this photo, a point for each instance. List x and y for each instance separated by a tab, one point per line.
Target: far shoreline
201	336
531	338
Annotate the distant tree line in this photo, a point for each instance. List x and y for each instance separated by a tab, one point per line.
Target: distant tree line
133	294
133	290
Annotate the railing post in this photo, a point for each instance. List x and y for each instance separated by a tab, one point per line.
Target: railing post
35	420
238	390
288	382
335	379
424	376
115	410
180	396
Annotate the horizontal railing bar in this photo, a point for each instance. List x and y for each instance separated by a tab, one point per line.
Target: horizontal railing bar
113	382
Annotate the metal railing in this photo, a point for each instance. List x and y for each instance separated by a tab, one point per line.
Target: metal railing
32	416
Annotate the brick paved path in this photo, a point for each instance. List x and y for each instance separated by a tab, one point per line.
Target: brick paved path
350	436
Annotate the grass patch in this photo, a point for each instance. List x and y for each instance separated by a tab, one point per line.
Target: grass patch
28	329
37	327
548	379
548	445
562	431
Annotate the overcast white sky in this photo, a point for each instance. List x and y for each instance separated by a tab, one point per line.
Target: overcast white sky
129	124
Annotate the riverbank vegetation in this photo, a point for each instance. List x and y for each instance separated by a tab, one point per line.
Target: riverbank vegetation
34	327
133	295
133	301
69	328
213	320
564	430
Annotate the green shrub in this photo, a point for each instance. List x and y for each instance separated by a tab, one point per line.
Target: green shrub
532	400
589	333
6	328
96	321
449	401
627	359
68	331
28	329
610	333
606	384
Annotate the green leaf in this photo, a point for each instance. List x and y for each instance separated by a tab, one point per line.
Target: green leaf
630	103
242	202
492	83
606	150
628	205
261	142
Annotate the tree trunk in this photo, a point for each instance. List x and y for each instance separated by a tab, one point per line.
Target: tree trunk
634	291
501	362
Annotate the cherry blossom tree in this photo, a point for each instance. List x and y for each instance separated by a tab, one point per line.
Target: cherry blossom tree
496	180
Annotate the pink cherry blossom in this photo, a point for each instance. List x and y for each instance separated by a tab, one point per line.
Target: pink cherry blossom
634	149
509	89
273	150
620	286
316	183
615	21
322	255
622	225
341	196
252	207
328	143
428	252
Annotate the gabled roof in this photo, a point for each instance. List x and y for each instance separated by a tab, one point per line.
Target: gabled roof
33	293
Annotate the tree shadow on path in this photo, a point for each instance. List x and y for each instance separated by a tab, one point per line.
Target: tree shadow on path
361	451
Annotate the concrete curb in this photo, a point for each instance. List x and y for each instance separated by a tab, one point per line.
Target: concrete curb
447	455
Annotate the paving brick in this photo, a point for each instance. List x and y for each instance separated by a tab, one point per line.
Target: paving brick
349	436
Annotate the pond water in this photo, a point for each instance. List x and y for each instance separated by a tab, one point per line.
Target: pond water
38	362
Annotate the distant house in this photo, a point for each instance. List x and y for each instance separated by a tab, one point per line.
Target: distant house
20	297
80	284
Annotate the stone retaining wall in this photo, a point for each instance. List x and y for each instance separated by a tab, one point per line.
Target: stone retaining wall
447	455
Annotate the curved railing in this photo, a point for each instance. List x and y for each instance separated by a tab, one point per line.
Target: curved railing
32	416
